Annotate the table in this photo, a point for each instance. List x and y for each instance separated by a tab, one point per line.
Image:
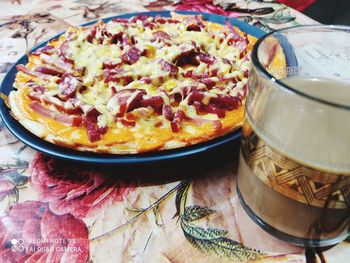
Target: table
52	210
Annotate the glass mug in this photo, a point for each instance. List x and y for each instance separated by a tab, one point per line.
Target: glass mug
294	168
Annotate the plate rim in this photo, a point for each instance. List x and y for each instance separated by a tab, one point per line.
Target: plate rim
69	154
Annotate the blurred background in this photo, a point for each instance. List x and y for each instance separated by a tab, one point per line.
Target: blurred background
323	11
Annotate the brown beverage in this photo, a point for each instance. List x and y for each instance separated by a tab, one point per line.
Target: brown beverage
291	179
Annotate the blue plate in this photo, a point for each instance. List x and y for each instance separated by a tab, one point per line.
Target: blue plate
65	153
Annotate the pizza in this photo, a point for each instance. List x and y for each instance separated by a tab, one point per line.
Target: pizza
272	58
134	85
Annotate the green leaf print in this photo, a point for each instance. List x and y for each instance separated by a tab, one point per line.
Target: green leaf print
214	242
196	212
181	197
200	233
211	241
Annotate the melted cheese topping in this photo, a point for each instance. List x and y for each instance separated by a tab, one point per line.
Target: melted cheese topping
151	131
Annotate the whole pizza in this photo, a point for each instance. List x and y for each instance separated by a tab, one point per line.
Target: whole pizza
135	85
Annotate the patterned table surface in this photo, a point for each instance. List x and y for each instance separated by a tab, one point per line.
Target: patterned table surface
52	211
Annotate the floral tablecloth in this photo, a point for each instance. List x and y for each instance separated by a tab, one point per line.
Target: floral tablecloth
55	211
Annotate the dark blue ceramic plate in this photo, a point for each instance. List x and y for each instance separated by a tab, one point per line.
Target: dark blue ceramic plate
61	152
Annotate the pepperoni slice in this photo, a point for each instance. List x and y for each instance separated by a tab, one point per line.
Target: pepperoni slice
176	123
49	71
32	73
68	86
93	130
71	120
166	66
44	50
131	56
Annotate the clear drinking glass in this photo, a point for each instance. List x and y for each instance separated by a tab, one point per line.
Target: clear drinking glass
294	168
